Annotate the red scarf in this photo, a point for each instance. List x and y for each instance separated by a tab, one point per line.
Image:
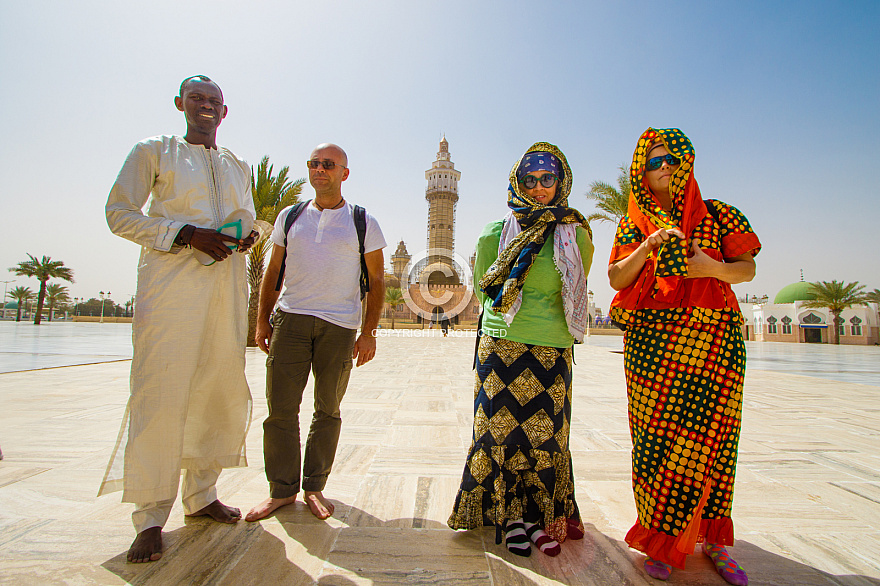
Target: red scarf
662	284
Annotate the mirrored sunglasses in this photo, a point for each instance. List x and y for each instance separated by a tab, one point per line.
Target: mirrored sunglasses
656	162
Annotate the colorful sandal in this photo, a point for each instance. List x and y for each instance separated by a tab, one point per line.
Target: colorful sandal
725	565
657	569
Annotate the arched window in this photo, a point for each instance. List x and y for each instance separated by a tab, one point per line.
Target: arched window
786	325
855	326
771	325
812	319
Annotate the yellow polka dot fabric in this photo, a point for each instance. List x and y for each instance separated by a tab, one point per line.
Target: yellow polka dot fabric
685	384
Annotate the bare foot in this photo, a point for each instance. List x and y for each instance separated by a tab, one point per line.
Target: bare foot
320	507
219	512
267	507
147	546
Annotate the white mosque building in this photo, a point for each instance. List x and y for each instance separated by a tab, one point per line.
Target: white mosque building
787	320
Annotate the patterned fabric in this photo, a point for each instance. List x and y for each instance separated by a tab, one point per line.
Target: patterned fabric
539	161
684	359
504	280
519	463
729	236
685	404
569	265
662	283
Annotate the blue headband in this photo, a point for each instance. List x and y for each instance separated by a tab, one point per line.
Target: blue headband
539	161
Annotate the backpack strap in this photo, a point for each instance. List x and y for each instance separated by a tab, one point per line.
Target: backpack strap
360	224
291	217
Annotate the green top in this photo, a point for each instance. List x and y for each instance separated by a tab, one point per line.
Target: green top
541	318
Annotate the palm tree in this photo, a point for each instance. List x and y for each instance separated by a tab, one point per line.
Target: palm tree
393	298
874	297
612	202
43	270
56	295
836	296
271	195
22	295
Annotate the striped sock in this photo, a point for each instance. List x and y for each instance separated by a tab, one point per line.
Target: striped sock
516	540
545	543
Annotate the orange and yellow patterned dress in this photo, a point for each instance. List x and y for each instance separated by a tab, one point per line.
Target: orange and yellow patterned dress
684	360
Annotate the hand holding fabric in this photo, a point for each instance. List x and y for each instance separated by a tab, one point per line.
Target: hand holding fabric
662	235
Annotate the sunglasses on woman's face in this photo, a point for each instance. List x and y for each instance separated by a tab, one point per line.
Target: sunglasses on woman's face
656	162
547	180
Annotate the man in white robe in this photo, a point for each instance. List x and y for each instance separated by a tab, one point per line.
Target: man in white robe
190	404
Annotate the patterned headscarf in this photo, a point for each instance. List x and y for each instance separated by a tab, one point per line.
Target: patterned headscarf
539	161
504	280
688	208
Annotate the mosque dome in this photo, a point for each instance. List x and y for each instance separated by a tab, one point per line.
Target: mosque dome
799	291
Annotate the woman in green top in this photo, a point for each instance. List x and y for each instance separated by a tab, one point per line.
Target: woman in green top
532	270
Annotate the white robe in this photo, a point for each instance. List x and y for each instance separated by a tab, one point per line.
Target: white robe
190	405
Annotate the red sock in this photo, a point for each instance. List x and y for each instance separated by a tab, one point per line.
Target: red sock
574	530
545	543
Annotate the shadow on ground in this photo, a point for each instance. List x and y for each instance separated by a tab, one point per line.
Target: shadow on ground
419	551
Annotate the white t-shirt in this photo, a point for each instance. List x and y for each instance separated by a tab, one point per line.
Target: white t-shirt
324	263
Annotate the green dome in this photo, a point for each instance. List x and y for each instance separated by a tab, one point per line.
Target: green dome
799	291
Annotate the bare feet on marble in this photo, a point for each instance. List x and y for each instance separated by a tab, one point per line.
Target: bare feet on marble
146	547
219	512
267	507
320	507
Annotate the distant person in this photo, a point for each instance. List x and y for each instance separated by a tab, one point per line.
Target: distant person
315	328
532	271
674	258
444	325
190	403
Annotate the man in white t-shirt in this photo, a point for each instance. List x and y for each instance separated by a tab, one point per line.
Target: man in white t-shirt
315	328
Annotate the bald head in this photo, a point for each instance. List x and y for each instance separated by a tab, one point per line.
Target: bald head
322	150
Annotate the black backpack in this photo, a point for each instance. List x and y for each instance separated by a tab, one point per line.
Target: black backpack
360	224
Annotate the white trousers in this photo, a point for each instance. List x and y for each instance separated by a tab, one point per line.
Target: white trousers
199	491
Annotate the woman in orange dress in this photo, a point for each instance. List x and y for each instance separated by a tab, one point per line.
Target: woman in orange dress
674	259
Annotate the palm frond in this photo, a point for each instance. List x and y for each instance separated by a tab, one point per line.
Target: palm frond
611	201
836	295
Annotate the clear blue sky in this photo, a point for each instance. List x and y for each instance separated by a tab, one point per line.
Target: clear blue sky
779	98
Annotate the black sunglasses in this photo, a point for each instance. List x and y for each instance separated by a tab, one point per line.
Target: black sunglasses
313	164
547	180
656	162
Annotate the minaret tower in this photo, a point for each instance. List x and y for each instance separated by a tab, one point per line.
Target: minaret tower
442	195
399	260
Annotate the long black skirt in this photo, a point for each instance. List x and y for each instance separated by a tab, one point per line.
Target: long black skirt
519	463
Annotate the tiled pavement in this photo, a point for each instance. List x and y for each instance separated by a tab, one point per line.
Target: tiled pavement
807	504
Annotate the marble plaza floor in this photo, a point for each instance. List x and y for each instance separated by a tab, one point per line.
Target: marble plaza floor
807	504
